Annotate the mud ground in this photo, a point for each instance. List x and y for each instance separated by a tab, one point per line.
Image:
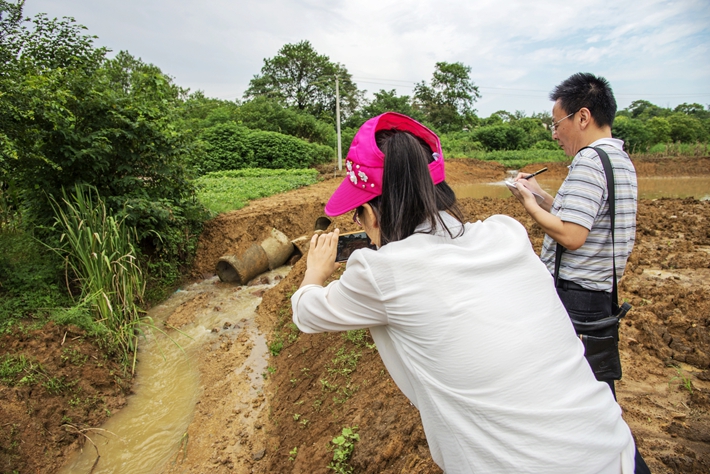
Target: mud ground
324	383
319	384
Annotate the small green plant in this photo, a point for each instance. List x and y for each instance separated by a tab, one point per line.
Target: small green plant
326	385
55	385
681	380
73	356
11	367
359	337
293	335
344	362
269	370
276	345
343	447
303	423
296	416
292	454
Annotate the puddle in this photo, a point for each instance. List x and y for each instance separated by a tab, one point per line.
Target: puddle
649	188
145	435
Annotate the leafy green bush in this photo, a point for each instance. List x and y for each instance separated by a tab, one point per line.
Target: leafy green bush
545	145
500	137
229	146
225	191
460	144
275	150
32	282
637	137
226	147
70	115
262	113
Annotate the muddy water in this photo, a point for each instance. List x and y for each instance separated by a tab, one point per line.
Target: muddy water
148	431
649	188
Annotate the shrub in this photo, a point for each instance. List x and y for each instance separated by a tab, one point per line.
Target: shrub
226	147
500	137
634	132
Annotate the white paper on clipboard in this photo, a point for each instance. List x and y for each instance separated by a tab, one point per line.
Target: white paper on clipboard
538	197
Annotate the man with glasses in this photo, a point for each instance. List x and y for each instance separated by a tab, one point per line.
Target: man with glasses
578	217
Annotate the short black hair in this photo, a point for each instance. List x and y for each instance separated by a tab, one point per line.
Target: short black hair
586	90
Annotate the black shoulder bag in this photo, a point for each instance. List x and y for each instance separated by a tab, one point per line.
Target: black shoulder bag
601	337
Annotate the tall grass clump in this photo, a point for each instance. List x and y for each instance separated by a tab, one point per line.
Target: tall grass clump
101	258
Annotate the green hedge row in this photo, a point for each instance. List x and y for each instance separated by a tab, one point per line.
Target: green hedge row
229	146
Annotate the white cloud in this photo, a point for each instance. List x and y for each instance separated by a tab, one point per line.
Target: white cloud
516	48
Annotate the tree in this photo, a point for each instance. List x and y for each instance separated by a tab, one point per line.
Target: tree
448	102
696	110
636	136
299	77
644	110
385	101
686	128
660	130
70	116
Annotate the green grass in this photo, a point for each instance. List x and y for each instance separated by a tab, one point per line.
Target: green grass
225	191
678	149
516	159
31	281
101	257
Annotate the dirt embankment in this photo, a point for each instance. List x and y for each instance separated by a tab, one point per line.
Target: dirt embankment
67	387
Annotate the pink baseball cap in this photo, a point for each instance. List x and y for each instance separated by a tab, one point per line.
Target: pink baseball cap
365	162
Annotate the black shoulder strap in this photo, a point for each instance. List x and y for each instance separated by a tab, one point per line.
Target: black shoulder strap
610	186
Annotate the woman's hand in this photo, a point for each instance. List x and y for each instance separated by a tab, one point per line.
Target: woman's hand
320	263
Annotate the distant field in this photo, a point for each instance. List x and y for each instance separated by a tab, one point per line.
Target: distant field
224	191
516	159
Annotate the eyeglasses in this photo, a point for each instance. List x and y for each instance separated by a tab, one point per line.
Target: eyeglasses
556	124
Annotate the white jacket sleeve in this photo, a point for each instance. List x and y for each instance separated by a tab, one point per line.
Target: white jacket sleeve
352	302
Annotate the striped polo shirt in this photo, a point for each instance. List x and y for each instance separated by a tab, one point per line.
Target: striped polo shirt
583	199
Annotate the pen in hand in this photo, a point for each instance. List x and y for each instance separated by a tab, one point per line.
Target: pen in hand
536	173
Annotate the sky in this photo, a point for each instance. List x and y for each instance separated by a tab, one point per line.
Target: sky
518	50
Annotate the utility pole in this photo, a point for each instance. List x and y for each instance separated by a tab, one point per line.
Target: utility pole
337	123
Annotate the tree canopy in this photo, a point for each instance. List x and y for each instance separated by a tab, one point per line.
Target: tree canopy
299	77
448	101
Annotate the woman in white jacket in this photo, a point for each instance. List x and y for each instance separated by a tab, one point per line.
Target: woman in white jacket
464	315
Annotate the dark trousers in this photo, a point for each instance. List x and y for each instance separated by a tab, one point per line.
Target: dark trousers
585	305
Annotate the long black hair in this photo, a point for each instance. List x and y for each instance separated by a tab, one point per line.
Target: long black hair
409	197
